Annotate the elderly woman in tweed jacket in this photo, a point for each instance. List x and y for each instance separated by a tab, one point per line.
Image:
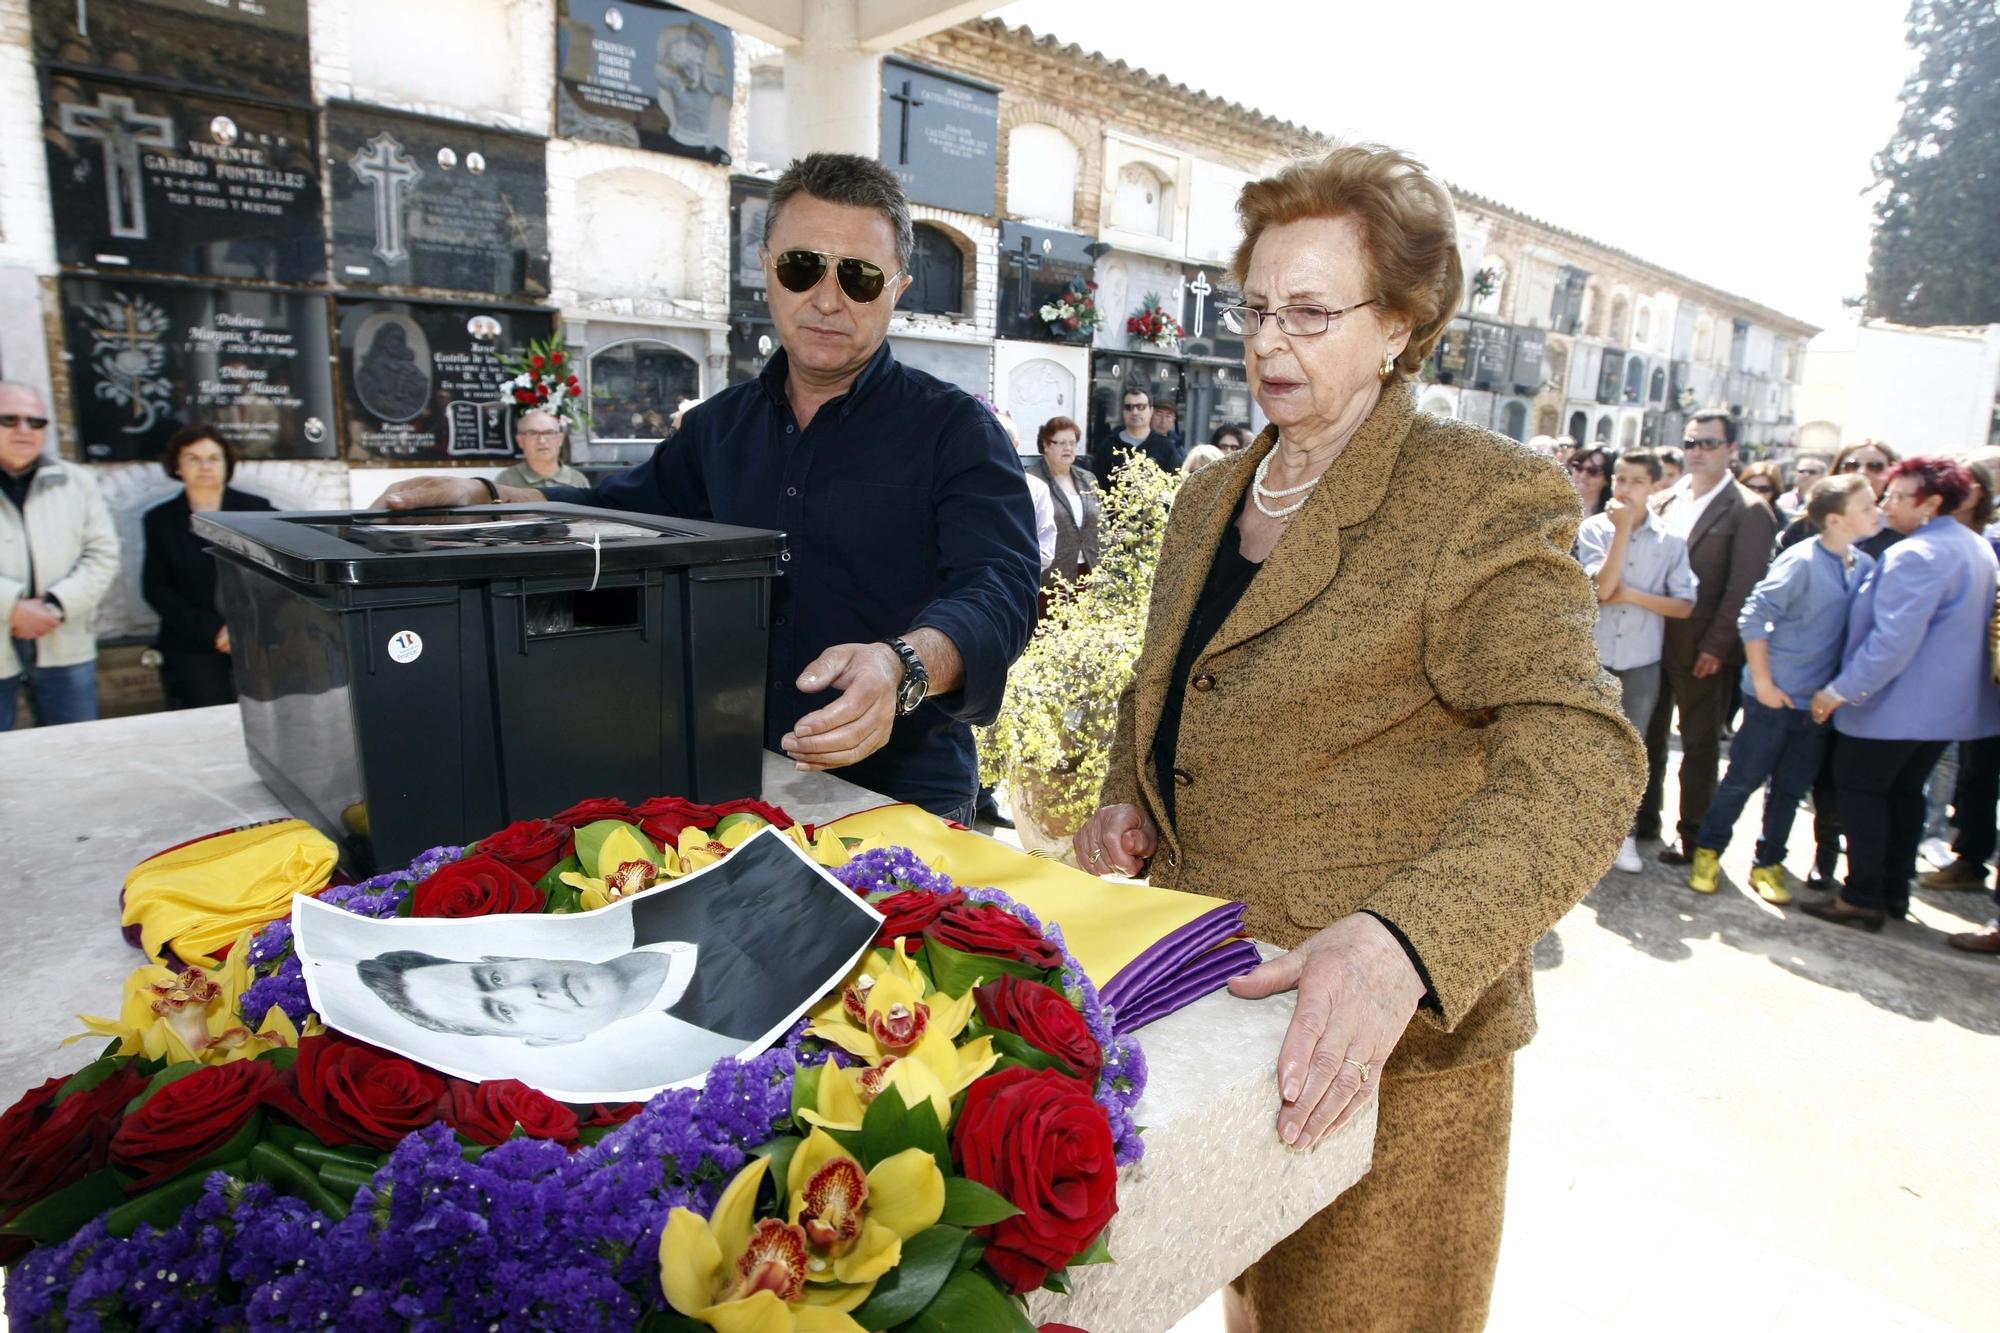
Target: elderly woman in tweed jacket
1369	705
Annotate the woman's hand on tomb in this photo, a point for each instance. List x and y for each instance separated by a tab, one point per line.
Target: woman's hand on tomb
1117	839
1357	992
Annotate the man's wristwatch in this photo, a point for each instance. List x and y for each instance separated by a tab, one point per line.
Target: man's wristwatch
916	682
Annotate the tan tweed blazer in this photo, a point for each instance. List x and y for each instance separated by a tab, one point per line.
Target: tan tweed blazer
1404	713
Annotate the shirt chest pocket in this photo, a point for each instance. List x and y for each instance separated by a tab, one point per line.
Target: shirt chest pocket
882	537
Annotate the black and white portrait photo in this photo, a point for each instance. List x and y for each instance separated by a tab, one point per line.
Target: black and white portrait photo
610	1005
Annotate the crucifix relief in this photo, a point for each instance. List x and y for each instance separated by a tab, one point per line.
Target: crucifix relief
908	97
386	169
1026	261
1199	289
117	123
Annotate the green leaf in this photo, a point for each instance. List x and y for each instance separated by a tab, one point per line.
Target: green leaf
1097	1252
58	1217
1056	1282
590	844
927	1263
408	906
957	972
563	898
925	1132
1016	1047
288	1175
162	1207
90	1076
171	1074
967	1203
970	1303
805	1088
552	881
780	1150
667	1321
885	1129
281	1058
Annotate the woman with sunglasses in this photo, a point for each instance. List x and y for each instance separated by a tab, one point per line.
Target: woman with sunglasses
1764	480
1871	459
1590	473
1369	622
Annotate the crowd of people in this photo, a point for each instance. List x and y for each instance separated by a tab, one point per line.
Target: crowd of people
1834	624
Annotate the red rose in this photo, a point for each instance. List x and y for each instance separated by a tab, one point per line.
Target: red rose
594	809
984	928
345	1093
611	1113
1036	1137
531	846
524	396
45	1147
475	886
663	817
537	362
188	1119
1044	1018
487	1112
911	911
747	805
556	358
575	383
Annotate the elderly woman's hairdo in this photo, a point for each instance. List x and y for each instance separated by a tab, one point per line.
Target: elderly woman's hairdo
1409	231
856	182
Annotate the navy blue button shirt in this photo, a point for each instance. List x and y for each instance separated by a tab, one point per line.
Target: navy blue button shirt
903	506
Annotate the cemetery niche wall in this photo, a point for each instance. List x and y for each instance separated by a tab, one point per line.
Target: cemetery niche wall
146	358
940	135
256	48
423	381
643	75
419	202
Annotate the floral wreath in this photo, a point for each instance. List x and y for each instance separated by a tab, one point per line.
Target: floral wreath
545	381
1152	324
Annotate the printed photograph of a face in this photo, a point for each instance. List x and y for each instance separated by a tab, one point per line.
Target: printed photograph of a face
611	1005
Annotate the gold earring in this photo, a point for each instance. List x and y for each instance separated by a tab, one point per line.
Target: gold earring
1388	365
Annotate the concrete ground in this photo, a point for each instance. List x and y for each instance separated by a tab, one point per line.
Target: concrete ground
1738	1117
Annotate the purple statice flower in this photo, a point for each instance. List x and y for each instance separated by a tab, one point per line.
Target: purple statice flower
890	870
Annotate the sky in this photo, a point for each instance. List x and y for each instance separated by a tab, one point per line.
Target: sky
1729	140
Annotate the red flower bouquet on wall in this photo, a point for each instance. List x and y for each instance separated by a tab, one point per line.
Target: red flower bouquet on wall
1152	324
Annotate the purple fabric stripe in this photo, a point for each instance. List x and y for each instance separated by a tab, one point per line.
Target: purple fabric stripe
1208	973
1167	956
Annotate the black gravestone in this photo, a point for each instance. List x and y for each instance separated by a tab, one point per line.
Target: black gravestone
1530	345
430	203
257	48
1037	265
423	380
181	183
749	204
146	358
1490	356
939	135
641	75
1203	296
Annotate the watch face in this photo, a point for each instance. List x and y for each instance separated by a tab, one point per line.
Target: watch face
910	695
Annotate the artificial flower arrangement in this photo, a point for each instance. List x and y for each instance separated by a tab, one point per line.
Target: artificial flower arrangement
1075	311
935	1139
545	381
1152	324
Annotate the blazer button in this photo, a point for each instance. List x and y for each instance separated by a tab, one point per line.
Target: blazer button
1183	778
1204	682
1173	860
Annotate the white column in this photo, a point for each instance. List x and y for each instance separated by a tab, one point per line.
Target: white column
833	84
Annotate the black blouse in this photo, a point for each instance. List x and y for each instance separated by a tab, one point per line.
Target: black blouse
1229	576
178	574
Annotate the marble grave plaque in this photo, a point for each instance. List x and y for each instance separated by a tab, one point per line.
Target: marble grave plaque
940	135
423	380
146	358
257	48
429	203
182	183
644	75
1037	264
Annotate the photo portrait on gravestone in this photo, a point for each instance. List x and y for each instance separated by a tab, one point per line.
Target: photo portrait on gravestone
425	379
392	375
608	1005
645	75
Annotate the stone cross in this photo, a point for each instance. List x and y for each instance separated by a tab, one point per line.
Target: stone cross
386	169
1026	261
911	102
1199	290
123	131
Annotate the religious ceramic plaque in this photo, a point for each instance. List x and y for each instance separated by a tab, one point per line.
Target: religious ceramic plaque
1038	265
939	135
430	203
183	183
146	358
424	381
257	48
643	75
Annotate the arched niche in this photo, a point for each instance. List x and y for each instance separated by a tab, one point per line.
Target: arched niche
638	236
1514	420
938	269
1043	166
634	387
1144	202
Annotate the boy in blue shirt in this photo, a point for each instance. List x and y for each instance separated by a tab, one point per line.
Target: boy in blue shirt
1793	626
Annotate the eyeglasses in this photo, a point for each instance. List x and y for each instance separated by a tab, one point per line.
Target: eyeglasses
1851	465
1810	470
1763	489
12	419
537	434
1137	407
1586	469
801	271
1900	496
1300	320
1704	445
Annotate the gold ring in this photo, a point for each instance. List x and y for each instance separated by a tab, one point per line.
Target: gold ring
1361	1065
1096	855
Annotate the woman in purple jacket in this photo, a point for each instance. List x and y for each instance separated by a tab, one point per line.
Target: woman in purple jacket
1916	675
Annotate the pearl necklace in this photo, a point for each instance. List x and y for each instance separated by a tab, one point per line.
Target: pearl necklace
1259	492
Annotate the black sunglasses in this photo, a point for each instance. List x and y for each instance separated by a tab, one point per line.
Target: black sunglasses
13	419
1851	465
1587	469
801	271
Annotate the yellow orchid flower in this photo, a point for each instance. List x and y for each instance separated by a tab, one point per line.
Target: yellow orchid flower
855	1223
192	1015
830	850
698	847
741	1274
625	866
882	1012
844	1094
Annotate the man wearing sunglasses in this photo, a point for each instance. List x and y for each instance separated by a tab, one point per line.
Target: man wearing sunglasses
58	555
909	581
1728	532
